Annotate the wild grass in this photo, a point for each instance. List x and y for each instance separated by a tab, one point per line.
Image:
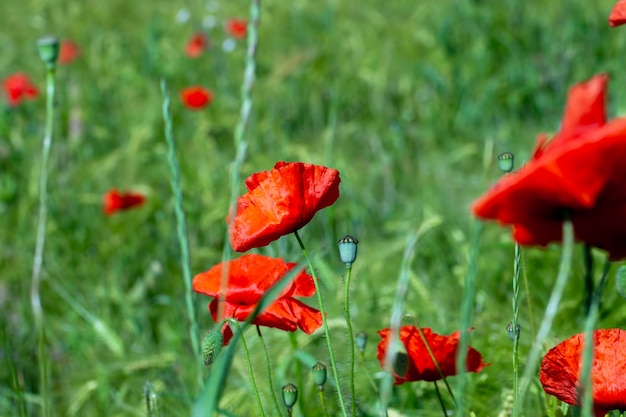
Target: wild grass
410	101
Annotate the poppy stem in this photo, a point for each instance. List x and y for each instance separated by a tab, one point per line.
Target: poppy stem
551	309
514	324
269	371
443	406
323	401
329	345
346	310
35	298
181	229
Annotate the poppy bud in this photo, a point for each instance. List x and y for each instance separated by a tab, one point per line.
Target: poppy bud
290	395
361	341
212	346
48	47
347	250
401	361
319	375
512	334
505	161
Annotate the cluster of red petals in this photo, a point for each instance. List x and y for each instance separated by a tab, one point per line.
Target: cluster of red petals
196	45
280	202
561	367
579	174
68	52
618	14
237	28
421	366
196	98
249	278
18	87
114	201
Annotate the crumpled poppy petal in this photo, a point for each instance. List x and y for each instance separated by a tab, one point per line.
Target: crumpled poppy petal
18	87
196	97
617	16
280	202
114	201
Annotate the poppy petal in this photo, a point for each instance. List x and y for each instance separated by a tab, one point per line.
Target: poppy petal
618	14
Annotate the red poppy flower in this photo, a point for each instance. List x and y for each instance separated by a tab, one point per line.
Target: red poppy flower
69	52
196	45
115	201
561	367
280	202
237	28
618	14
18	87
196	98
579	174
420	365
249	277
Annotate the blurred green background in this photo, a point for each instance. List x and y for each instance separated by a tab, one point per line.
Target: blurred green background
410	101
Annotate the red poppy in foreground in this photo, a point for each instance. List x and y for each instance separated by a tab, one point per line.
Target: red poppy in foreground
618	14
280	202
249	278
69	52
115	201
196	98
420	365
18	87
237	28
196	45
561	367
578	174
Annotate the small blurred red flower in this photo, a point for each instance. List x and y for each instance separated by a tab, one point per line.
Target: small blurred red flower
561	367
115	201
196	97
196	45
618	14
420	365
18	87
579	173
237	28
69	52
280	202
249	278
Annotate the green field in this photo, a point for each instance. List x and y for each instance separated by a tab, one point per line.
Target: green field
410	101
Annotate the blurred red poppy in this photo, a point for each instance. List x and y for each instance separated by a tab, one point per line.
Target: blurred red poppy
196	45
420	365
249	278
115	201
578	174
618	14
237	28
561	367
280	202
196	97
18	87
69	52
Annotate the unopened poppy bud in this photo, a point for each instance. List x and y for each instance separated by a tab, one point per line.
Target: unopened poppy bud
513	334
48	47
290	395
361	341
319	375
212	346
505	161
401	362
348	249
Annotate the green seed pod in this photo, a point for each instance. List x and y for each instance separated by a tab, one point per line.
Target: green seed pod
505	161
401	362
212	346
48	47
361	341
319	375
348	250
290	395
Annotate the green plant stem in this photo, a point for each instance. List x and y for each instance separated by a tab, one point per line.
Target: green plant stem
269	372
323	401
551	309
346	310
35	296
466	316
181	229
514	324
443	406
369	377
320	300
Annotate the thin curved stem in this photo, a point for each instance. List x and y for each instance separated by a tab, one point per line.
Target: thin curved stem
323	401
443	406
346	310
329	344
269	371
514	323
